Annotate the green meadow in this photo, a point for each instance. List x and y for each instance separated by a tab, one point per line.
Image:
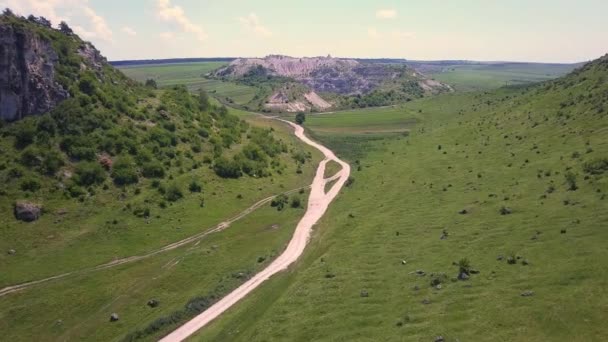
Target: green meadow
491	76
511	184
192	76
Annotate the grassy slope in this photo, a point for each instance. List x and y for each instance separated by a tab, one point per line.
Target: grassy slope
190	74
505	148
491	76
82	303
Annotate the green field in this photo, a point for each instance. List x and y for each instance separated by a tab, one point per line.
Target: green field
490	76
394	119
192	76
529	166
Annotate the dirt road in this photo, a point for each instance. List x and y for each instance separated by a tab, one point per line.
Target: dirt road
318	202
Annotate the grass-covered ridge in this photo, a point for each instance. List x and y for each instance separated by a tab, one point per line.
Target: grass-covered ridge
508	185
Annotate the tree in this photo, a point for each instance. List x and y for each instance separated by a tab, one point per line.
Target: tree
203	100
8	12
151	83
65	29
44	22
300	118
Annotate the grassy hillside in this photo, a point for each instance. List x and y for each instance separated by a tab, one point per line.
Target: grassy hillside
121	170
515	174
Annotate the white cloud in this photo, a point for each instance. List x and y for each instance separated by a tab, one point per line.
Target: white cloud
129	31
252	23
167	36
175	14
386	14
66	10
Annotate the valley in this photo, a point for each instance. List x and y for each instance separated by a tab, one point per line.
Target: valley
279	195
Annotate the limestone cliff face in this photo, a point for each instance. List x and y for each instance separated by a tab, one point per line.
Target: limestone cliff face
27	75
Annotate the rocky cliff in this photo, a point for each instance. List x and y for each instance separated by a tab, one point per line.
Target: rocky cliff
27	74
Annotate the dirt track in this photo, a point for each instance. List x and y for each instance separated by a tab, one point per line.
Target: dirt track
318	202
113	263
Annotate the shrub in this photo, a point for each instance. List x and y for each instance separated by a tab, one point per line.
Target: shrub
89	173
349	182
30	157
464	266
300	118
227	168
296	202
30	184
195	187
279	202
596	167
123	171
173	193
51	162
571	181
153	169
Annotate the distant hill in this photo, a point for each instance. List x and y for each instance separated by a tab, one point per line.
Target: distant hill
336	82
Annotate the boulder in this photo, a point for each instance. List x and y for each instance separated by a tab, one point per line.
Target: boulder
364	293
505	211
11	251
439	339
153	303
463	212
426	301
27	211
527	293
114	317
463	276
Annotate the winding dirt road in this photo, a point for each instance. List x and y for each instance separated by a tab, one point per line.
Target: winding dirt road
318	202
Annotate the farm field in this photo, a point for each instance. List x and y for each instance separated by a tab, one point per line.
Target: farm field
191	75
394	119
491	76
482	180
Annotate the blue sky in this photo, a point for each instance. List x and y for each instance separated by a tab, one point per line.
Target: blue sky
516	30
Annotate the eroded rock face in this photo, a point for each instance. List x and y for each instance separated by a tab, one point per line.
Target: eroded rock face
27	211
27	70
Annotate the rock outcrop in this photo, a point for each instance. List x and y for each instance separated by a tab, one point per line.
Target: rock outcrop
27	74
27	211
327	74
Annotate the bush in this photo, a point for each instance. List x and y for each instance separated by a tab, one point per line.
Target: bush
279	202
51	162
300	118
349	182
123	171
153	169
173	193
596	167
195	187
296	202
89	173
30	184
571	181
227	168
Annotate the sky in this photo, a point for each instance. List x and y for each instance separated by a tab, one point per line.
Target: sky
488	30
